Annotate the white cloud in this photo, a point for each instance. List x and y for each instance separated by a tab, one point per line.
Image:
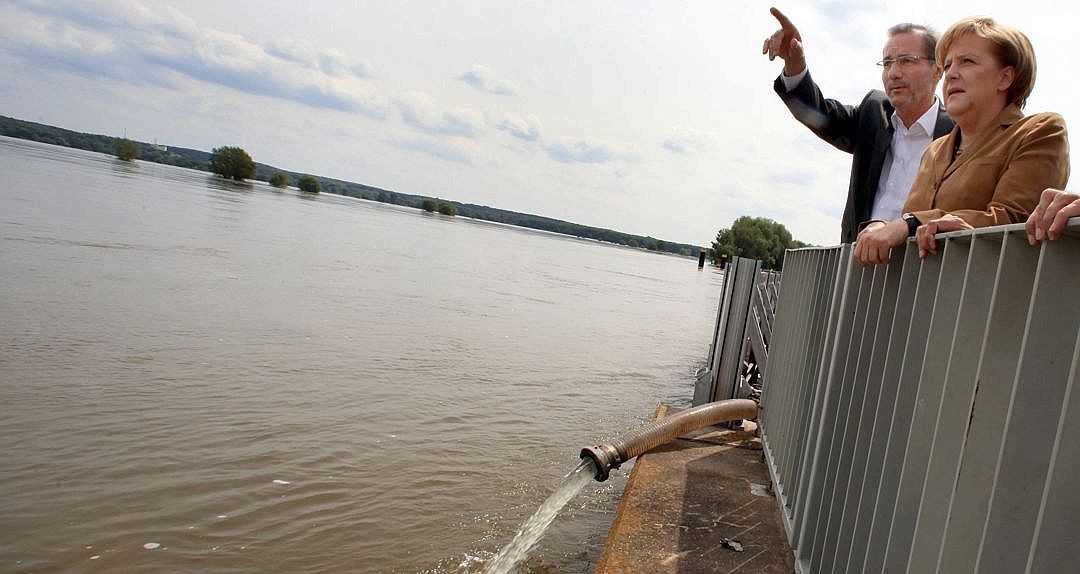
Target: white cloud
522	127
143	46
329	61
577	150
480	77
420	111
448	150
689	142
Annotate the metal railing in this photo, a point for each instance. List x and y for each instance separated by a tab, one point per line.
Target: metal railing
920	416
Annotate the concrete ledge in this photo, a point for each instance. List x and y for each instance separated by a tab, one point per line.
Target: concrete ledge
685	499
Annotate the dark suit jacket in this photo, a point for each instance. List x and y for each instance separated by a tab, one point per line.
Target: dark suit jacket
863	131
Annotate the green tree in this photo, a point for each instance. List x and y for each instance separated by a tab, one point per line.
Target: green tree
756	238
126	149
232	163
428	205
279	180
308	183
447	208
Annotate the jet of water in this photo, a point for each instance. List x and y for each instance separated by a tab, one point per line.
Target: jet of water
533	529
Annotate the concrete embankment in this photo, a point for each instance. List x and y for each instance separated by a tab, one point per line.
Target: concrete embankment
698	504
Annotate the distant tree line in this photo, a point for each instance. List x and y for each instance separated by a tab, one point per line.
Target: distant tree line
201	160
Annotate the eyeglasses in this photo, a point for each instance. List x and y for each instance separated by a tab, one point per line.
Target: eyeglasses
905	60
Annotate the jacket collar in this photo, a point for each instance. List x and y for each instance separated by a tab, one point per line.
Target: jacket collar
1008	116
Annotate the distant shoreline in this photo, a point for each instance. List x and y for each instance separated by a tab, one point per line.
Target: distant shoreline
197	159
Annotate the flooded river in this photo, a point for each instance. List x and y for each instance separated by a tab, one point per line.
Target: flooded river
199	376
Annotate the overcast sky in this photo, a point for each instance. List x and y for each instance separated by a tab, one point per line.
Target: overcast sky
652	117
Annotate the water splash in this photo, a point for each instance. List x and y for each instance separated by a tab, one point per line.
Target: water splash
533	529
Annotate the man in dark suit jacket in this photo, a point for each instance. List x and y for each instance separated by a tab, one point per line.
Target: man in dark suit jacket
886	133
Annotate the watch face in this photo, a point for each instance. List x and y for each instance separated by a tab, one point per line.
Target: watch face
912	223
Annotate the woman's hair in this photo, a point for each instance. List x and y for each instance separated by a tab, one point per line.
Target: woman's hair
1012	48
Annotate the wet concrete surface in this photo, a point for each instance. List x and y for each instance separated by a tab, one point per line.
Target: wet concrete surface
692	504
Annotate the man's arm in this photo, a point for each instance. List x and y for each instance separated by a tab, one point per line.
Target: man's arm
829	119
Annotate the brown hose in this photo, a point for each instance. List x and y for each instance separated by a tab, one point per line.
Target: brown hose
664	430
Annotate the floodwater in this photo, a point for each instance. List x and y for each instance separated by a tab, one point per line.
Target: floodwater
199	376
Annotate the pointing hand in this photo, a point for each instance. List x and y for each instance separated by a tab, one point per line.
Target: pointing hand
786	43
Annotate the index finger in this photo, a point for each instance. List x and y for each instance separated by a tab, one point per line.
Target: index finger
1034	221
784	22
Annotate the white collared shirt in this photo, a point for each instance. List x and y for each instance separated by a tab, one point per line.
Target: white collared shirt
901	160
902	163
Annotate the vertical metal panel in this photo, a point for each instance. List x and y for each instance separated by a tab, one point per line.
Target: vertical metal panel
958	393
928	391
703	389
865	477
740	278
986	426
866	386
777	447
726	370
804	301
1054	548
895	313
1034	414
826	397
791	324
917	318
815	328
852	389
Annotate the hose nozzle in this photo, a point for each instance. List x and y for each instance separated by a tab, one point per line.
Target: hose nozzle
606	457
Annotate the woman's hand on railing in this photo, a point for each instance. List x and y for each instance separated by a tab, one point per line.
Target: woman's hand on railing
1049	218
924	235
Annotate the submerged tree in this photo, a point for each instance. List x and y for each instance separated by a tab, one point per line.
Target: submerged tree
126	149
757	238
279	180
428	205
447	208
232	163
308	183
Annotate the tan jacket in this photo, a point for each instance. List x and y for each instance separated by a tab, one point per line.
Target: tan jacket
999	178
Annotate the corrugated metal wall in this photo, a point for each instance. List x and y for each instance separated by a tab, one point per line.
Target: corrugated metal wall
921	416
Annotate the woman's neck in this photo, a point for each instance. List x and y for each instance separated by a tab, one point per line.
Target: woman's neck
973	126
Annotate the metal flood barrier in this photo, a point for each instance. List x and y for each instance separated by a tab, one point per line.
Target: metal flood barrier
924	416
743	329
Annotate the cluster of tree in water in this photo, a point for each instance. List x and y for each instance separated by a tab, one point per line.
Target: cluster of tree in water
748	237
756	238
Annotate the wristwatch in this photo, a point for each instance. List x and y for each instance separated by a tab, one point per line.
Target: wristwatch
912	222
